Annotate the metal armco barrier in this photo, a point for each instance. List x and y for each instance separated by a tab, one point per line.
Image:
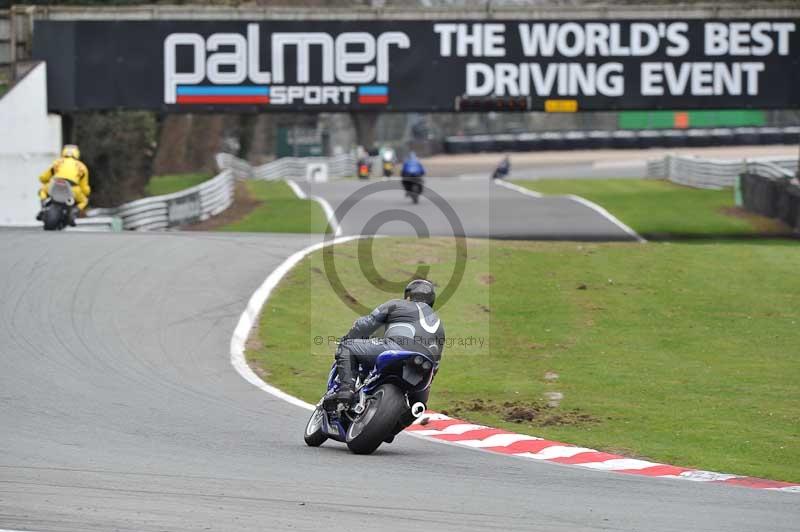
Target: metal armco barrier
715	173
215	195
623	139
287	167
97	223
161	212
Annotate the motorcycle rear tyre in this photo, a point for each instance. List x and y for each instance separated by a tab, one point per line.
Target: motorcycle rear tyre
52	219
416	191
387	404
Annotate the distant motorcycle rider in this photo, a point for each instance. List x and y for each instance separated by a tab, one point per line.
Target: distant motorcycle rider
502	170
410	324
387	154
68	167
412	172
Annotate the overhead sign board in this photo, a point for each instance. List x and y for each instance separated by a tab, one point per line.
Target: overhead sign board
421	65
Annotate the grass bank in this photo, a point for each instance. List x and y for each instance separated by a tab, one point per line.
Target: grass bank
659	209
683	353
277	209
167	184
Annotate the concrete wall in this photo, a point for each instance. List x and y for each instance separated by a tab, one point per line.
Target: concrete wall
405	9
5	46
29	141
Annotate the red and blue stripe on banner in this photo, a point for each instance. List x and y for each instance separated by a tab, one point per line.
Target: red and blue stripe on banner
220	94
373	94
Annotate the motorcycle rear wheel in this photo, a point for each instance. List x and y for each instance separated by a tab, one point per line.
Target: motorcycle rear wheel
313	435
378	421
415	192
52	218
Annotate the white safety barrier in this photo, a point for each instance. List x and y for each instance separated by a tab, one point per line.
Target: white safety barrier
214	196
97	223
161	212
772	169
240	168
713	173
287	167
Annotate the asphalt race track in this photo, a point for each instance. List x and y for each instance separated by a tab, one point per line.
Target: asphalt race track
507	214
119	410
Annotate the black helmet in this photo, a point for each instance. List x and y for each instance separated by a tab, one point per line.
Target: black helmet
420	290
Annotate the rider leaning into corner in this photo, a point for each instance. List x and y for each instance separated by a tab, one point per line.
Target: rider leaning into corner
68	167
410	325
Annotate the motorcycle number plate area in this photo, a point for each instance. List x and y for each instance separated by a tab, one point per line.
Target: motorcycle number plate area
411	375
60	191
332	428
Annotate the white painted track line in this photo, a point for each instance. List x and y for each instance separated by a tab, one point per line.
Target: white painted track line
583	201
517	188
329	214
251	313
610	217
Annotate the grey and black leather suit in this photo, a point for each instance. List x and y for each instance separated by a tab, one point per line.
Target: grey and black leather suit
409	326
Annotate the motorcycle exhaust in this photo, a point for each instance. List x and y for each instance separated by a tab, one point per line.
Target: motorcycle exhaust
417	409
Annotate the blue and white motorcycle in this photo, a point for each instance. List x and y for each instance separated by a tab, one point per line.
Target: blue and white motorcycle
383	407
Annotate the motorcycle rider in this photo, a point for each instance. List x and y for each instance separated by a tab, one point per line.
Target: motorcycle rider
412	172
363	163
410	324
502	169
388	157
68	167
387	154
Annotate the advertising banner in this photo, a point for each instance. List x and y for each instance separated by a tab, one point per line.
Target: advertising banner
382	65
183	210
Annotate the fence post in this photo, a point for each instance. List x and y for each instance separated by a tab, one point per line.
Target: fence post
737	191
797	174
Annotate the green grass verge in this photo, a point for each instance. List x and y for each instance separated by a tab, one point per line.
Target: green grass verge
167	184
660	209
684	353
280	211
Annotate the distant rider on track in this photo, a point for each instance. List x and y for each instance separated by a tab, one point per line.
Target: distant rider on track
411	325
68	167
412	173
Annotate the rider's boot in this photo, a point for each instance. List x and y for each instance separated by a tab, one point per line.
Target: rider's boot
40	215
344	395
344	367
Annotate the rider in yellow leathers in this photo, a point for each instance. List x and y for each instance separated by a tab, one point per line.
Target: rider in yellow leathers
68	167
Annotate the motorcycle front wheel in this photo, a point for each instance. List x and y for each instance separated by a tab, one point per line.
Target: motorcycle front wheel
314	436
377	422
